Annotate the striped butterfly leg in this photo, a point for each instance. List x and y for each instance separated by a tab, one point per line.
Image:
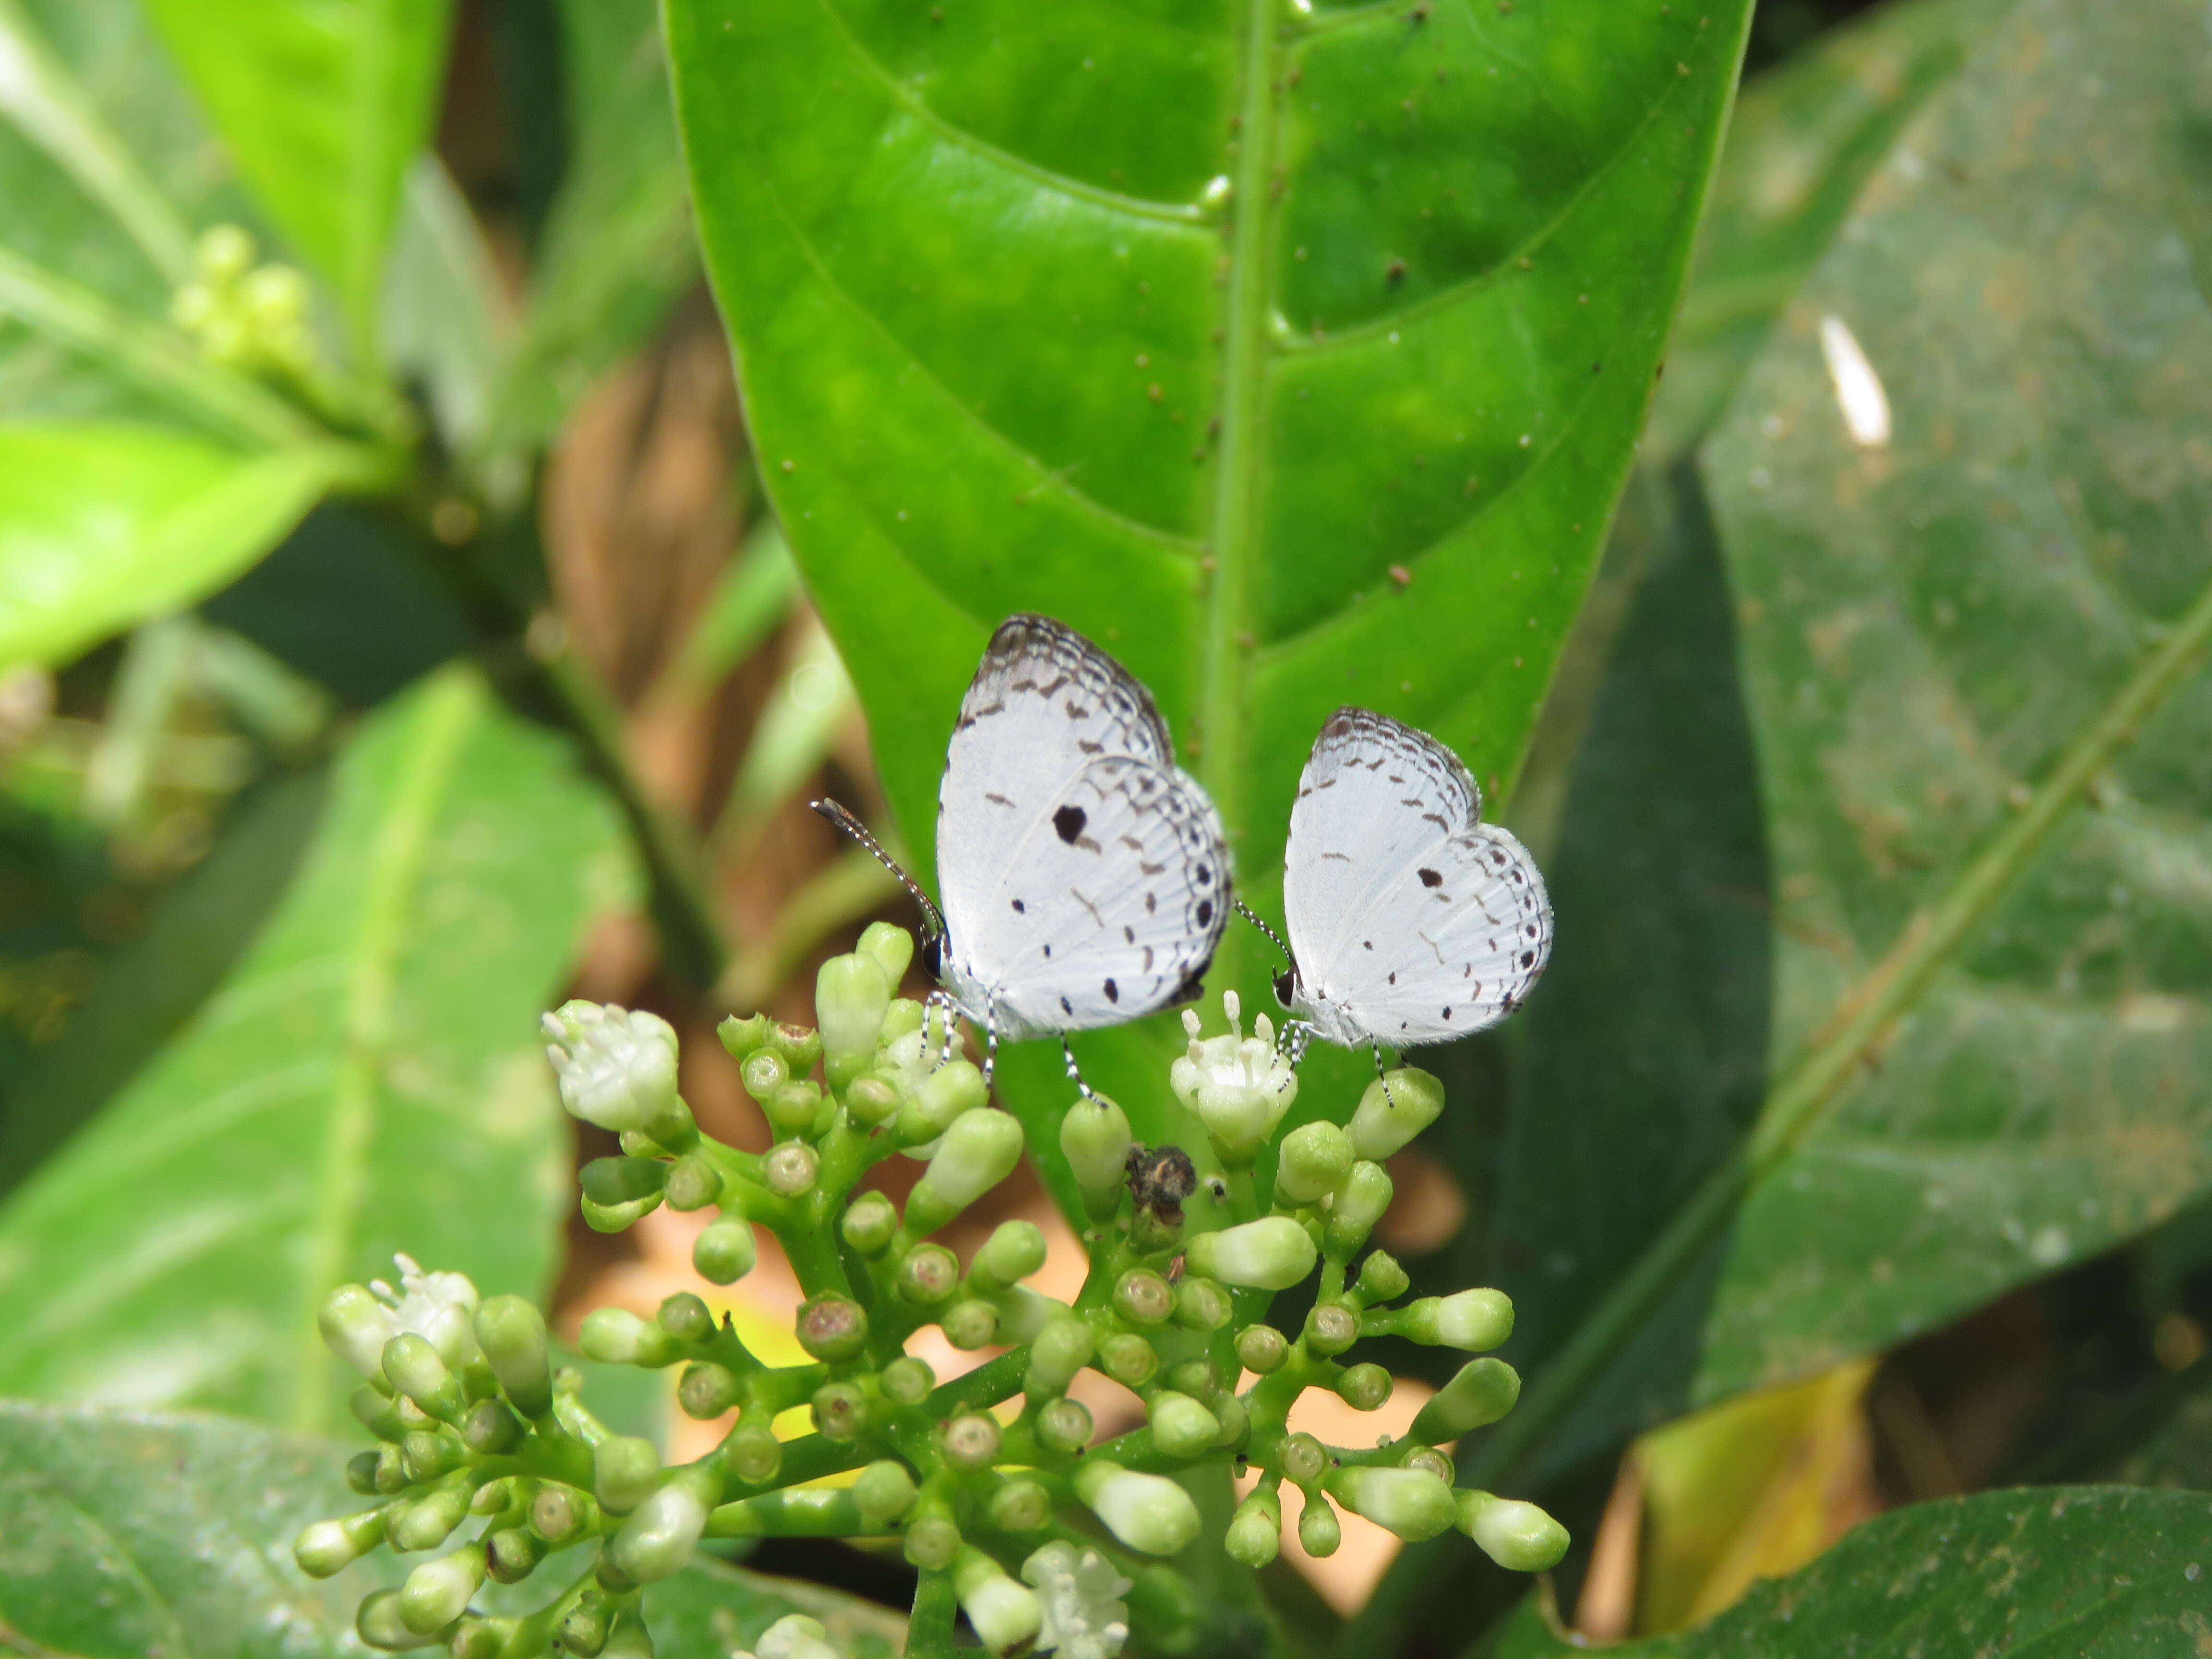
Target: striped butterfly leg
1382	1077
940	1003
1074	1073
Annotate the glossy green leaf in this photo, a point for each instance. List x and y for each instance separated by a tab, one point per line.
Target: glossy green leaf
101	526
447	325
617	250
2092	1572
126	1534
323	105
367	1080
1186	328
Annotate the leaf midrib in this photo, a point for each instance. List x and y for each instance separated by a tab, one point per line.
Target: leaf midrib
429	763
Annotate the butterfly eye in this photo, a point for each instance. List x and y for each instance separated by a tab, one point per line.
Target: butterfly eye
1283	986
932	955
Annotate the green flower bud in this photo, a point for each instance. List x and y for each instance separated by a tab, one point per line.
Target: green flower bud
851	994
1330	1329
1428	1458
929	1274
427	1522
685	1317
426	1454
1262	1349
437	1592
932	1542
969	1323
841	1411
1364	1388
939	1101
1396	1108
1147	1512
1303	1459
662	1533
979	1151
1381	1279
1239	1087
355	1326
584	1629
753	1453
610	1183
869	1224
625	1472
512	1553
693	1184
791	1168
360	1473
615	1336
1005	1614
512	1334
1484	1391
1142	1297
1360	1202
496	1497
907	1380
742	1036
380	1626
1095	1138
375	1409
559	1514
1518	1536
970	1440
1411	1503
891	947
1202	1305
832	1327
617	1068
629	1639
1062	1348
1020	1506
764	1073
1255	1531
799	1046
1064	1425
795	1636
331	1546
1014	1250
223	254
1319	1530
606	1219
793	1110
725	1250
1470	1321
885	1491
1235	1419
414	1368
1316	1159
871	1099
708	1390
478	1637
1181	1426
903	1018
391	1470
1128	1359
1271	1253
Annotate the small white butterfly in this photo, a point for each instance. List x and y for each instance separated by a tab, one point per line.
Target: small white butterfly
1084	877
1411	920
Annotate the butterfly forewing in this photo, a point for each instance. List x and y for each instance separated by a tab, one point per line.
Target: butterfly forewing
1411	920
1083	876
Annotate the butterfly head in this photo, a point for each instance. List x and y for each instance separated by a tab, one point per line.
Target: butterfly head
1286	985
933	953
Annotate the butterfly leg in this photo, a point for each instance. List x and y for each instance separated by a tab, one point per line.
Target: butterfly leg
1074	1074
990	1037
947	1011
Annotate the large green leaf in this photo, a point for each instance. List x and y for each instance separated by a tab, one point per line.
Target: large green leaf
1186	325
2091	1573
102	525
126	1534
323	104
366	1081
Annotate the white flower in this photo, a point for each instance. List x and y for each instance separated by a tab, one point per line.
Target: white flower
1240	1086
617	1068
440	1307
1080	1595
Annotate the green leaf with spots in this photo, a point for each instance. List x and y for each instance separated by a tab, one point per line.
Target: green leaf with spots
2093	1573
365	1080
129	1534
1186	324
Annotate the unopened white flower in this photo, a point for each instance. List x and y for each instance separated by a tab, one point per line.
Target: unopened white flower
795	1636
440	1307
1080	1596
1239	1087
616	1067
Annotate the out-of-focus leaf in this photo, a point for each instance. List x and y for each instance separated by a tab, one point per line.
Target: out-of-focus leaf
754	594
157	982
445	325
618	249
101	526
323	105
1189	333
127	1534
810	701
2092	1572
367	1080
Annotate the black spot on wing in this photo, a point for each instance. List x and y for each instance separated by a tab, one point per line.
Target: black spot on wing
1068	823
1112	992
1020	909
1430	878
1205	912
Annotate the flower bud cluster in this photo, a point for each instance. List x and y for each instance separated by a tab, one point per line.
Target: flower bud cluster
246	315
489	1464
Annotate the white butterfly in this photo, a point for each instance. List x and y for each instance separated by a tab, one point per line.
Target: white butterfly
1411	920
1084	877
